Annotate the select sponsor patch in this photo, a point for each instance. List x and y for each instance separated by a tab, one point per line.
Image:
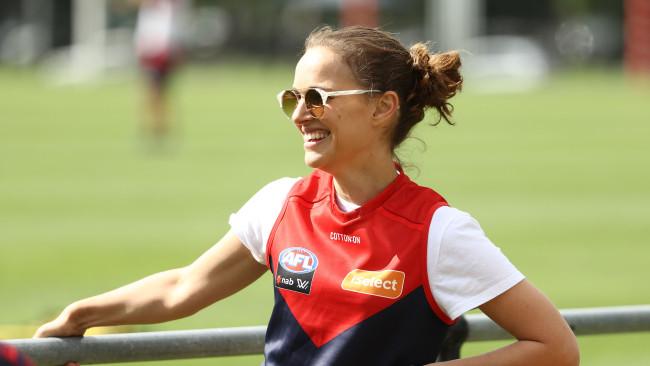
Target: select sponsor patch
295	269
387	283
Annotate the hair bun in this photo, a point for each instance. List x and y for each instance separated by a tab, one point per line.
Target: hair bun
420	56
437	78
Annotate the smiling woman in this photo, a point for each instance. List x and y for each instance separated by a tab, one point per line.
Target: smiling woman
369	66
369	268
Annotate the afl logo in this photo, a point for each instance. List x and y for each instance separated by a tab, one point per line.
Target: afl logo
298	260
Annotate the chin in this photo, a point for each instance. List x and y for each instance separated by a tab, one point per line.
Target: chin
315	161
312	163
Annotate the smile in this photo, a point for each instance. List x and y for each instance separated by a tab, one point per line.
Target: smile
315	136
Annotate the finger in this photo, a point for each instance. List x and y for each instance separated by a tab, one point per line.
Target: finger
40	333
44	331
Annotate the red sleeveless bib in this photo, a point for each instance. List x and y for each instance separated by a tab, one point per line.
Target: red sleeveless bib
335	271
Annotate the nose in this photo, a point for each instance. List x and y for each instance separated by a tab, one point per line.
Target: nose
301	114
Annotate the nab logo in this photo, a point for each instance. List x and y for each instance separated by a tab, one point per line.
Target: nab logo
298	260
295	270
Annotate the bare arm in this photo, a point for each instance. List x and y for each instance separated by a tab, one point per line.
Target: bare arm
543	337
224	269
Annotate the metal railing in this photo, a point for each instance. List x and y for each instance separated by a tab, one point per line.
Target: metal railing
171	345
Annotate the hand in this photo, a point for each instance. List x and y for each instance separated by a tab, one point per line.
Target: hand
62	326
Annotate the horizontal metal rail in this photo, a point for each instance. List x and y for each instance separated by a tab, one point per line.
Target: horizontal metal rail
148	346
587	321
170	345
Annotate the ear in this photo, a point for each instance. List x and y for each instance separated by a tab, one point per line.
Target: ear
386	108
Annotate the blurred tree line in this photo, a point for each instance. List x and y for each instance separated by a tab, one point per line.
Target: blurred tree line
278	27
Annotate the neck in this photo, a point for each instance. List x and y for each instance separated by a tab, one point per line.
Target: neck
363	184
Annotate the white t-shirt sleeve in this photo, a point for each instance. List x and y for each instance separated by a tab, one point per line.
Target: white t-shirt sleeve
465	269
253	223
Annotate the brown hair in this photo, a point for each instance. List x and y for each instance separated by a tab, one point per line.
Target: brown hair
379	61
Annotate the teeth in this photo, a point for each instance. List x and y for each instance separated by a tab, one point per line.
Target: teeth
318	135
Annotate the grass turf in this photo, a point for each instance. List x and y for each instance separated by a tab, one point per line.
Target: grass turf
558	178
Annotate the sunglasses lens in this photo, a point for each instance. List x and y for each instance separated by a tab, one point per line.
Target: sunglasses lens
289	102
314	103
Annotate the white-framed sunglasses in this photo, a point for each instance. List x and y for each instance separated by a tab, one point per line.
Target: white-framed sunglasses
315	99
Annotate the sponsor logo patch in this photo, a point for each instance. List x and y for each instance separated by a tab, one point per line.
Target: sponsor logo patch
295	270
387	283
345	238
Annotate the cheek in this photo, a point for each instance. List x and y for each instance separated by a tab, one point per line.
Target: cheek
354	133
351	125
355	116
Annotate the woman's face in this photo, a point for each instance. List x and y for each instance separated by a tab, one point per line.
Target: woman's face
343	137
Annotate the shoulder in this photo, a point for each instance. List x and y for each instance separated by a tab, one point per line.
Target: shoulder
465	268
453	227
254	221
415	203
446	215
313	187
446	227
268	199
280	186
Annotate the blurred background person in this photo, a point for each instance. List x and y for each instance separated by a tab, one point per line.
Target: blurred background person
159	48
10	356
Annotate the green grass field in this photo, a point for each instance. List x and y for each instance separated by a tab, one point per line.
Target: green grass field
559	178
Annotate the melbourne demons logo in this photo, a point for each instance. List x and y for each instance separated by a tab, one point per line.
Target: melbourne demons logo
295	270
